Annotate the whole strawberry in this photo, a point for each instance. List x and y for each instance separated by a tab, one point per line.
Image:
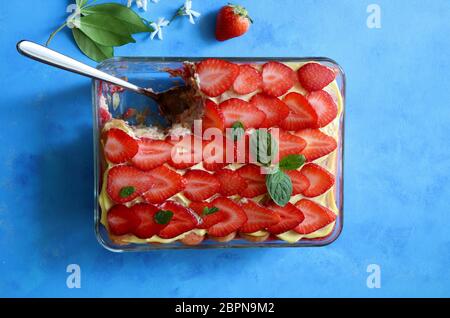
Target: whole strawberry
232	21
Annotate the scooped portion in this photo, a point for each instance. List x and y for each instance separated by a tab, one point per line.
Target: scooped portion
205	178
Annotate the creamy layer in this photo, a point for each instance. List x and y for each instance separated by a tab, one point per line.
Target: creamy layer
329	162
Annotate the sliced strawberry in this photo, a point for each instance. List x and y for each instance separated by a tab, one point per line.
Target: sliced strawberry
320	180
152	153
256	181
215	153
186	151
290	218
212	116
183	220
125	183
216	76
324	105
315	76
210	214
274	109
277	78
302	115
200	185
121	220
231	182
119	146
238	110
151	220
289	144
316	216
235	217
299	182
104	116
248	80
258	217
318	144
165	183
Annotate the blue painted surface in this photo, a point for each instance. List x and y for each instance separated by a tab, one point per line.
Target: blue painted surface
397	165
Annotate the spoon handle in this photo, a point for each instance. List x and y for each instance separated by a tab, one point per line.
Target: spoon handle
45	55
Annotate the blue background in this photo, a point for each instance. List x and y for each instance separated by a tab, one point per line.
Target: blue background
397	165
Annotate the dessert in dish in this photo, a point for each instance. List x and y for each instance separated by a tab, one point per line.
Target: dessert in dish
199	179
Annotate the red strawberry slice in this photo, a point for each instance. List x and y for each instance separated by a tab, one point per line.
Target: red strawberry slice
318	144
121	220
165	183
210	216
216	76
315	76
256	181
258	217
125	183
274	109
248	80
183	220
119	146
320	180
151	220
325	107
215	153
302	115
277	78
200	185
186	151
289	144
290	218
299	182
231	182
212	117
316	216
192	239
238	110
235	217
151	154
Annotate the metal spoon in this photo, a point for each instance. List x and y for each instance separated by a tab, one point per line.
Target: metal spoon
171	102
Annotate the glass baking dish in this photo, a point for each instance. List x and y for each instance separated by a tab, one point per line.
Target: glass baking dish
150	72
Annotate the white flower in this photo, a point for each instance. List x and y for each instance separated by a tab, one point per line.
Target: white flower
187	10
158	28
140	3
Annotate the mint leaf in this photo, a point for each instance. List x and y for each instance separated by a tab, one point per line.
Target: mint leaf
263	146
238	130
127	16
105	30
125	192
208	211
292	162
91	49
163	216
279	186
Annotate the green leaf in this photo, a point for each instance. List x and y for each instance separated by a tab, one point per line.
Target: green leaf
91	49
125	192
163	216
263	146
279	186
237	130
105	30
292	162
208	211
126	15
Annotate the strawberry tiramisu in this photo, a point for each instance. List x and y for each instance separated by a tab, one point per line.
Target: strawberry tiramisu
257	161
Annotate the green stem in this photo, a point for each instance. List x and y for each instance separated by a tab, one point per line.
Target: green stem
54	33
